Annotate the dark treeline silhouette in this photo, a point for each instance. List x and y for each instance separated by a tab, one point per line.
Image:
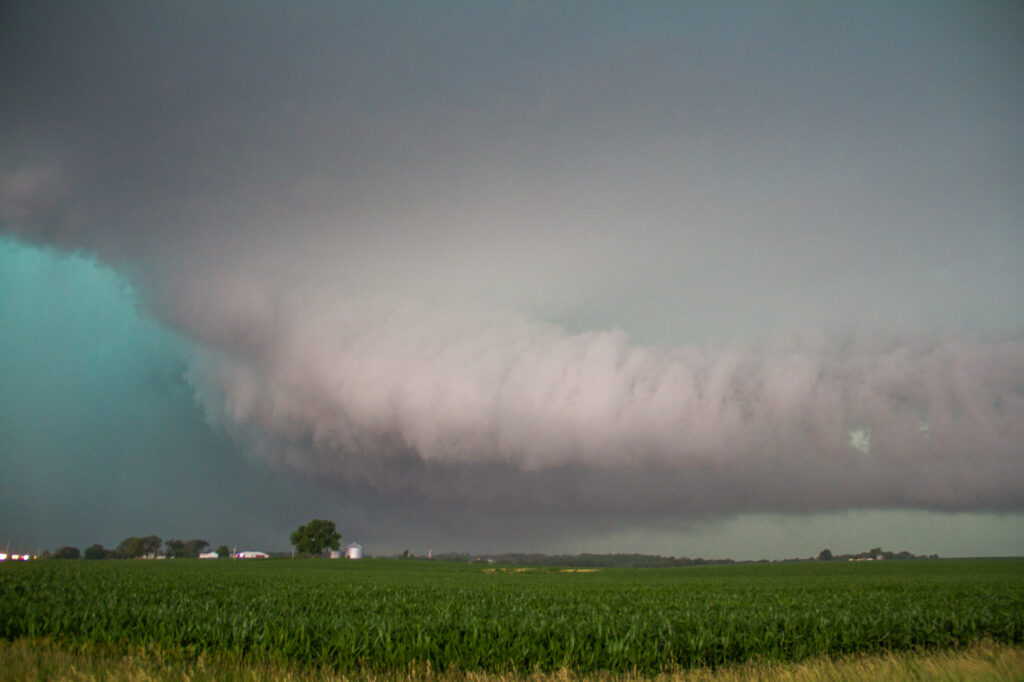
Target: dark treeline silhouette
873	554
648	560
150	547
580	560
147	547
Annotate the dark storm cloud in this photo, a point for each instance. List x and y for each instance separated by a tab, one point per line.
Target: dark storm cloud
404	240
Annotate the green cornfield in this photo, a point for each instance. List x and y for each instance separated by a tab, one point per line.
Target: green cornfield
379	614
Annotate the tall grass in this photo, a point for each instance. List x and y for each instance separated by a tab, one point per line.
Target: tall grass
42	660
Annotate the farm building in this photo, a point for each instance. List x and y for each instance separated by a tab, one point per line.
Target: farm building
354	551
252	555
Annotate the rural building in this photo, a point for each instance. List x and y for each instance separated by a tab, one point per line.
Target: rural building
354	551
252	555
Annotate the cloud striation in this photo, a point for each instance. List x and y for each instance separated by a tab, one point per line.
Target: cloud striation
501	413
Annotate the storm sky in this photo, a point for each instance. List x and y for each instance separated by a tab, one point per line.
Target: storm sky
720	280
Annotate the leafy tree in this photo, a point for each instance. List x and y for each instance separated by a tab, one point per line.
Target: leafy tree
825	555
97	551
67	553
181	549
128	548
133	547
223	551
315	537
175	549
150	545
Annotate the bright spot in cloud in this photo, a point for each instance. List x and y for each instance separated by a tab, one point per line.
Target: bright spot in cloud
860	440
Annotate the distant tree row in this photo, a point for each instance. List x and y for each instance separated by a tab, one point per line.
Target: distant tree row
875	553
644	560
142	547
577	560
311	539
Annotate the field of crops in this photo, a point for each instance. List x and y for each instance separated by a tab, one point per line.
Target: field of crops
388	614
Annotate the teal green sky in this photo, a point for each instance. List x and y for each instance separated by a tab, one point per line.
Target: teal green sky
100	434
707	279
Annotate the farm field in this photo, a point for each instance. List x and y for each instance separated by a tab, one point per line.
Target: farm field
390	615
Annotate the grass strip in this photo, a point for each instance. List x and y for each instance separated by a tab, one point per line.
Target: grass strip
26	660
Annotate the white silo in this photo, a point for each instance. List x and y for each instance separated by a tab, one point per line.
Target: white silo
354	551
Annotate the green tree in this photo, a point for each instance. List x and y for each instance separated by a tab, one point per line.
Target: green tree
150	546
181	549
825	555
67	553
197	547
97	551
175	549
223	551
316	537
128	548
133	547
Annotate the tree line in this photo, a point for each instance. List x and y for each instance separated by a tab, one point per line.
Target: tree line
311	539
148	546
646	560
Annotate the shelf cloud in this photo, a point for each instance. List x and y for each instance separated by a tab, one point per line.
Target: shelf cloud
643	263
355	392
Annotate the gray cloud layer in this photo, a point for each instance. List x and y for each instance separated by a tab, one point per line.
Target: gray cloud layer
506	411
405	241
